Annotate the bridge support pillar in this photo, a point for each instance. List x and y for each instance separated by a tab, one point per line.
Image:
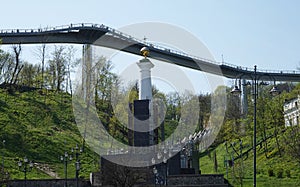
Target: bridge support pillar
244	104
244	99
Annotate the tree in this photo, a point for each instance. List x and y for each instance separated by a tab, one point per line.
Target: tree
173	102
204	112
41	54
57	68
70	64
28	75
17	51
276	119
6	66
105	79
231	128
292	141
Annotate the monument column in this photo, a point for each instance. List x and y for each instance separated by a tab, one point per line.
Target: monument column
145	90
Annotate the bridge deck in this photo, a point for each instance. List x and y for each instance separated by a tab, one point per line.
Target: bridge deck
101	35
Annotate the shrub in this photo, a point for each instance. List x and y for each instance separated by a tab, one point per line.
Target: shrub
288	173
271	172
280	173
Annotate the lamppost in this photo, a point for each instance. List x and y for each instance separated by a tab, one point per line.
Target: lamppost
156	176
162	157
5	174
241	157
236	91
165	164
3	141
25	167
78	151
65	158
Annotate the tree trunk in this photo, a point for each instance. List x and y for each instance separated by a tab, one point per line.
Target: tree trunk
43	63
17	75
17	51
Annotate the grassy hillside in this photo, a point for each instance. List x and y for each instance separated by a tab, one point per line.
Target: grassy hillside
272	169
39	124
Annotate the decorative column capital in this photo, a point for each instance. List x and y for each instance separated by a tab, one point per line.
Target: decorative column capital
145	64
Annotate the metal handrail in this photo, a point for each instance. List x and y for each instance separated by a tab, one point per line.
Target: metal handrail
130	38
261	70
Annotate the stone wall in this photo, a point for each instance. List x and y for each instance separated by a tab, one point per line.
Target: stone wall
48	183
188	180
197	180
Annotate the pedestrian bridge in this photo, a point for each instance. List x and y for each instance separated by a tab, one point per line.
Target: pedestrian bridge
101	35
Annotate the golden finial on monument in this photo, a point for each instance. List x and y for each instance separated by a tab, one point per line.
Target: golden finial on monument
145	51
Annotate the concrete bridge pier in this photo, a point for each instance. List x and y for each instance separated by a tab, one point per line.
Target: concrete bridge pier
244	99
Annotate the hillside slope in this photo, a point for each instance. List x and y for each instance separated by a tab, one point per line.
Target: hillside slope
40	125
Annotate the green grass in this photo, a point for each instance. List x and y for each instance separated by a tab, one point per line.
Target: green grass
244	168
40	125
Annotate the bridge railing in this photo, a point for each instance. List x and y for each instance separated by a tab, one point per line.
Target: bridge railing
261	70
124	36
115	33
45	29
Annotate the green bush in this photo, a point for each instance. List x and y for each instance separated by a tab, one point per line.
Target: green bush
271	172
288	173
280	173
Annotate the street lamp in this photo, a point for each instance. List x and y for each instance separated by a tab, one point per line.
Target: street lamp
4	174
155	172
3	141
237	91
78	151
166	153
65	159
161	176
274	91
24	167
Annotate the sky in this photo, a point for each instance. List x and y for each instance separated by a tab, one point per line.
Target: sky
243	33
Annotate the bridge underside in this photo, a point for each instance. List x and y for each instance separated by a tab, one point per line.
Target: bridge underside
105	37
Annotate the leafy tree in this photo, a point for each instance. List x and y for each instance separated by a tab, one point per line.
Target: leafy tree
6	66
29	75
105	79
41	53
57	68
70	64
292	141
105	84
232	126
205	107
276	119
173	103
